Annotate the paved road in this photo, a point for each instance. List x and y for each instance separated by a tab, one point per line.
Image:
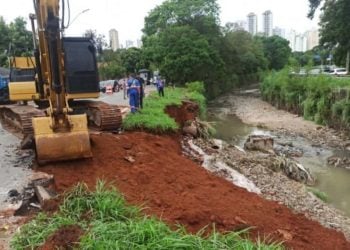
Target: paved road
14	165
118	97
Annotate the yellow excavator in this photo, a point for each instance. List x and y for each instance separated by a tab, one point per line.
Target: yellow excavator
63	77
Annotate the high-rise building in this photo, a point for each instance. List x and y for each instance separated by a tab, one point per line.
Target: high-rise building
300	43
279	32
114	39
291	38
267	23
139	43
313	39
129	44
240	25
252	23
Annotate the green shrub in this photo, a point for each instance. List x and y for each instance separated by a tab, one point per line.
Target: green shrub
319	194
195	87
322	98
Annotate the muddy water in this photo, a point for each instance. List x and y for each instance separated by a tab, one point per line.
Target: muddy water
14	165
335	182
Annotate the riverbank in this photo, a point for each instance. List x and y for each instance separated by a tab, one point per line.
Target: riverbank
151	171
254	111
257	167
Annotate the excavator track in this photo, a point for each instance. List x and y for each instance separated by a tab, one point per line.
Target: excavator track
101	116
20	117
104	116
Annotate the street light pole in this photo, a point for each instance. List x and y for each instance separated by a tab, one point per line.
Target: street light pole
75	18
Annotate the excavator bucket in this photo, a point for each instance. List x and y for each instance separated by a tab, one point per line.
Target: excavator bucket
61	146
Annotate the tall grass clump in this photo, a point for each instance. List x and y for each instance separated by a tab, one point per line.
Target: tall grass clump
109	223
153	117
323	99
319	194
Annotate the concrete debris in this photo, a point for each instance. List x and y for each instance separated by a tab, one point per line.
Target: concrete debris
42	194
221	169
260	142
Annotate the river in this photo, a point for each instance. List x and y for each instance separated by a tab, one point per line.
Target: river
332	181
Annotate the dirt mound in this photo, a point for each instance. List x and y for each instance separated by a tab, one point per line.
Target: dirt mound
151	171
65	238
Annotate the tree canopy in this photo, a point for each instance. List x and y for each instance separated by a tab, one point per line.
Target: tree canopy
15	39
180	12
184	40
277	51
335	26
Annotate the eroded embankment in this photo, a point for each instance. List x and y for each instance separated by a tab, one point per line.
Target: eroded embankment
151	171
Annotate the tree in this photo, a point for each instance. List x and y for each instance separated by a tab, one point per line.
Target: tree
335	26
133	59
16	37
184	40
98	40
243	56
180	12
112	66
4	41
277	51
186	55
181	36
20	38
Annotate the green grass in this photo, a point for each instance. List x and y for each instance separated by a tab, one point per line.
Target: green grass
109	223
319	194
323	99
153	117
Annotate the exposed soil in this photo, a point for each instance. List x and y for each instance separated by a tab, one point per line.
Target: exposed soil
151	171
187	112
66	238
8	226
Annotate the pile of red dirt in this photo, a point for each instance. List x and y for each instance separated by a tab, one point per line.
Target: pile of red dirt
151	171
65	238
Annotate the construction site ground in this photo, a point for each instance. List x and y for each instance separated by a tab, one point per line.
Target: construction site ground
152	172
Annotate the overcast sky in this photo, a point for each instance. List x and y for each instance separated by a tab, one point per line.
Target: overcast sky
127	16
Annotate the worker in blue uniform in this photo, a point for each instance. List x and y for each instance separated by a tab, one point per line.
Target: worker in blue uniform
133	93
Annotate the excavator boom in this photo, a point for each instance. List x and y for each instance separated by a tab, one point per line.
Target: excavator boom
60	135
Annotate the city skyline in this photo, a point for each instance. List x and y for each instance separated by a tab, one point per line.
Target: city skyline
105	15
298	41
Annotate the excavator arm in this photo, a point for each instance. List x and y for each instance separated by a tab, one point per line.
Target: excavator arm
60	135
